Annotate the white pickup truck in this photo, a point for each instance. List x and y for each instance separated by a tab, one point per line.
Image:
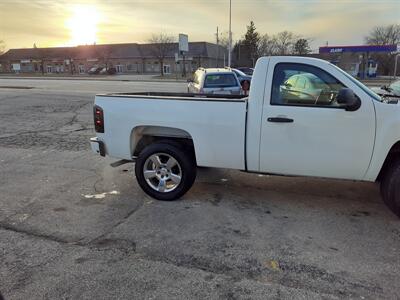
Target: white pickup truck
303	117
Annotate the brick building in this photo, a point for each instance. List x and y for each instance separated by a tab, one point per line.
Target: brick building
126	58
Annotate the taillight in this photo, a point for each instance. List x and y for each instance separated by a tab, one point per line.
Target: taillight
98	119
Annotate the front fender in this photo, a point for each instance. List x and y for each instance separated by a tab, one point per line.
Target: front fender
386	136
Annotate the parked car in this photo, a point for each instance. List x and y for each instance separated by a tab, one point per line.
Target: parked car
241	76
109	71
112	71
214	81
94	70
246	70
392	89
354	136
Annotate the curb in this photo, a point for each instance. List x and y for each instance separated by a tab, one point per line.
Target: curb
93	79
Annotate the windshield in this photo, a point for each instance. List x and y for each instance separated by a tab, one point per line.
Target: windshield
220	80
359	84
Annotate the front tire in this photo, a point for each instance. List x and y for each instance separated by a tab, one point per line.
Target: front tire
390	187
165	171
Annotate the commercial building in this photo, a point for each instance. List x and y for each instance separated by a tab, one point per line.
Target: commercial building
125	58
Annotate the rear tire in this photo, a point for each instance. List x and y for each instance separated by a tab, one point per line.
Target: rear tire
390	187
165	171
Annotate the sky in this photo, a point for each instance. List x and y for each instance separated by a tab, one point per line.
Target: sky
53	23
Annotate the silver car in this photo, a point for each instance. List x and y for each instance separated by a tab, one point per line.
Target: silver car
214	81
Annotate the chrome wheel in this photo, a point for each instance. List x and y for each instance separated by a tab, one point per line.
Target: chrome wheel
162	172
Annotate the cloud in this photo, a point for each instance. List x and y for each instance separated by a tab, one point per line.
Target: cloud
340	22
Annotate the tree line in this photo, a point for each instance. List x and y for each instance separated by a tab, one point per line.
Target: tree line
254	45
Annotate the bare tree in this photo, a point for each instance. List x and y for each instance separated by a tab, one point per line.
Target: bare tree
284	42
267	45
223	41
163	44
384	35
301	47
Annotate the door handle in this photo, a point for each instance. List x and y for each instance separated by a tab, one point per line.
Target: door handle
280	120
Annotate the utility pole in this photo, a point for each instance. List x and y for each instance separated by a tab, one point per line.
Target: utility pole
184	67
230	33
395	66
217	62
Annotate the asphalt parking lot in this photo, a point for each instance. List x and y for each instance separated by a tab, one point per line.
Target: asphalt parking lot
73	227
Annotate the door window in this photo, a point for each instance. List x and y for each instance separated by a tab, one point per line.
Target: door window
299	84
167	69
119	68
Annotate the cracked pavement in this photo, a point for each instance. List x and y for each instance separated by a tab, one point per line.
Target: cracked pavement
73	227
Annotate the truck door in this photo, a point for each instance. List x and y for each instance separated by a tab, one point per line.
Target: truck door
304	131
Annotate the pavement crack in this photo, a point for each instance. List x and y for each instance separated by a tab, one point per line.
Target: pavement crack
99	243
35	234
76	112
122	220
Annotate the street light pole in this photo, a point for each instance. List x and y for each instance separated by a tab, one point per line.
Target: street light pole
395	66
230	34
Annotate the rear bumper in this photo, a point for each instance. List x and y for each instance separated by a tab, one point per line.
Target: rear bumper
97	146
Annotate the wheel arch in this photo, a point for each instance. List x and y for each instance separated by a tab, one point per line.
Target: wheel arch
394	153
144	135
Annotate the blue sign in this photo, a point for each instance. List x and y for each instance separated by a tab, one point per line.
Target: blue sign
362	48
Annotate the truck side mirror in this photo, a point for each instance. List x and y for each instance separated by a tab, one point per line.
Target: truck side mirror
349	100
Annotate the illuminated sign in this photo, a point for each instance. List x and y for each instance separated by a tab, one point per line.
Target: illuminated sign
362	48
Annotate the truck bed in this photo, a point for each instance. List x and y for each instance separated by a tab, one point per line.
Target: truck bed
215	123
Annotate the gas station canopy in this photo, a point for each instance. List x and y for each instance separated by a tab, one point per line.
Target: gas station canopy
361	48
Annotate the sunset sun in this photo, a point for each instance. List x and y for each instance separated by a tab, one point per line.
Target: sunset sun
83	25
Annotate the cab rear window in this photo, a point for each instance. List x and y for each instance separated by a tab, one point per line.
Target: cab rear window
220	80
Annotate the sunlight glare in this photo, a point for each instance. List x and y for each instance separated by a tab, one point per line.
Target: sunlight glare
83	25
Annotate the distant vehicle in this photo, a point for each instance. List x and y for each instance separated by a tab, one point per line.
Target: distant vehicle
241	75
306	87
354	135
94	70
112	71
109	71
214	81
246	70
392	89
